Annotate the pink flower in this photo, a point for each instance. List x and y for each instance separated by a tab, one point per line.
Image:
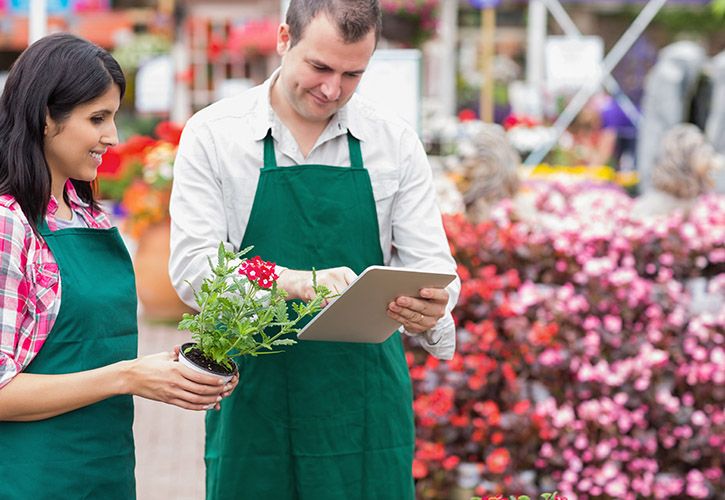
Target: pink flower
613	324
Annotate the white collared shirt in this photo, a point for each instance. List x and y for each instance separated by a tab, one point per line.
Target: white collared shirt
217	169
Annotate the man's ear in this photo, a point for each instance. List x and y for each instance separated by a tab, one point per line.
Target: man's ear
283	39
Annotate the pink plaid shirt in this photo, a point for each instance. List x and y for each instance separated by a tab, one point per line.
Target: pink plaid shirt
30	281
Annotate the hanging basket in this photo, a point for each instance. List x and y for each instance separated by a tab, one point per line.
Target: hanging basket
400	28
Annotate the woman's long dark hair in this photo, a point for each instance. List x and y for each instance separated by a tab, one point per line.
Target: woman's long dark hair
50	78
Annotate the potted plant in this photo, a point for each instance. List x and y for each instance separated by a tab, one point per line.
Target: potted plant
242	312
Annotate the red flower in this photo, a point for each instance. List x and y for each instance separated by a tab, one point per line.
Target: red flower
451	462
467	115
259	271
111	165
522	407
169	132
498	461
135	146
543	334
420	470
497	438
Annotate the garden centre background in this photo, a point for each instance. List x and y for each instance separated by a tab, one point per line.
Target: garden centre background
590	354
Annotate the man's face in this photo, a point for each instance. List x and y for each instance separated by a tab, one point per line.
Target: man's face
321	72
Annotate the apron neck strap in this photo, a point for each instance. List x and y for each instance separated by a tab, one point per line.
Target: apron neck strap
353	145
43	228
270	161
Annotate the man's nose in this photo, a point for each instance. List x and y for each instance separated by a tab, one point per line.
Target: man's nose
331	88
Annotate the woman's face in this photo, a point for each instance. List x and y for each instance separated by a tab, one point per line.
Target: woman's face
73	147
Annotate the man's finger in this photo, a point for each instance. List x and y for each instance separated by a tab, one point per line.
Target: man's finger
436	294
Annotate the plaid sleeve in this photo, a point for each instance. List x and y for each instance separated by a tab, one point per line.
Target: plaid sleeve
14	291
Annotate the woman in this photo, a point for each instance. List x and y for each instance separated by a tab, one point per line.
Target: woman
67	295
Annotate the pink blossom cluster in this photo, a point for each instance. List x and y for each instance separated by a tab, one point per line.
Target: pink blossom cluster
585	364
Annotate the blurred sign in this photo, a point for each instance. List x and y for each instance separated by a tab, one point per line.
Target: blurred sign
57	7
54	6
393	81
90	5
573	61
155	85
484	4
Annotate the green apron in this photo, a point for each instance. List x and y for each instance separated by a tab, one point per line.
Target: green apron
87	453
322	420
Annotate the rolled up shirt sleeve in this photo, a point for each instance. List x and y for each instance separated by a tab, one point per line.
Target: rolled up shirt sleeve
14	291
198	221
419	240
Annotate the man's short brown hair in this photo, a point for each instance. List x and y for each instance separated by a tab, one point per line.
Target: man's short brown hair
354	18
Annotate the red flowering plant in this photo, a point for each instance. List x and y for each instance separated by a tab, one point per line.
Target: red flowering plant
242	312
121	165
586	364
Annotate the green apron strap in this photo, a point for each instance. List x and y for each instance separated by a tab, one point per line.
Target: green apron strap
270	161
353	144
43	228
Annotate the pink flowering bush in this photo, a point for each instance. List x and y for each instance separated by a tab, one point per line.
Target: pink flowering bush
584	365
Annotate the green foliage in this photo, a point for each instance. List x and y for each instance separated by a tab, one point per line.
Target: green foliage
718	8
237	317
691	19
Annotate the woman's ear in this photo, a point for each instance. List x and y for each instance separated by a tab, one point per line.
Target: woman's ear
49	125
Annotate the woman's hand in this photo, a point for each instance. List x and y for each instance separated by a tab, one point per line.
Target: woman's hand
419	314
228	387
161	378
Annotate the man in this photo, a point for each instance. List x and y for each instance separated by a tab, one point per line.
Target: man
314	177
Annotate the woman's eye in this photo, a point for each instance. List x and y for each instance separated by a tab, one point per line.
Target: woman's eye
97	119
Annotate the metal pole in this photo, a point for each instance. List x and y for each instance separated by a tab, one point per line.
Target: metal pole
570	29
37	20
610	61
535	40
488	30
448	36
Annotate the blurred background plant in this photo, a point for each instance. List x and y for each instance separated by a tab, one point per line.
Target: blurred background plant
137	174
409	22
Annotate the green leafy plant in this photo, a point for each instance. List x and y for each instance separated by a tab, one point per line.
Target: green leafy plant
242	311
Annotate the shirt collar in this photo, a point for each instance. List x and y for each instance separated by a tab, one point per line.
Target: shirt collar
266	118
73	198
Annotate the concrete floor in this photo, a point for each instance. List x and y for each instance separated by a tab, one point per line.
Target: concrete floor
169	440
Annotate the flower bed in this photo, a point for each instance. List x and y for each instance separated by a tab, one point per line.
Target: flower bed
582	365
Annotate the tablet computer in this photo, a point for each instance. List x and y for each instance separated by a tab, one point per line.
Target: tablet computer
360	313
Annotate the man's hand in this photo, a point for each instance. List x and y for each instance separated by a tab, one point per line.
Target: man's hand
420	314
298	284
